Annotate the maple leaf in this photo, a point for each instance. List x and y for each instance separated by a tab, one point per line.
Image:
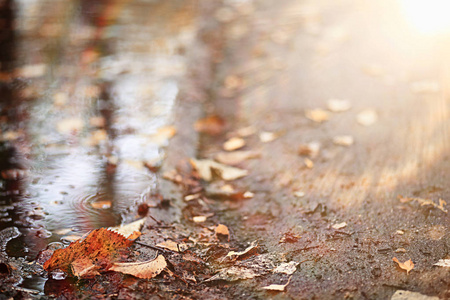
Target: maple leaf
100	247
407	265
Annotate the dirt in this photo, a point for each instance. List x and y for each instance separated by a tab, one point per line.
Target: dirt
339	213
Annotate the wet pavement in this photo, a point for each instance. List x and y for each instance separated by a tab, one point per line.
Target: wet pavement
99	102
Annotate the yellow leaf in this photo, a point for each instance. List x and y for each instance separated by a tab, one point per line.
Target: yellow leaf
407	265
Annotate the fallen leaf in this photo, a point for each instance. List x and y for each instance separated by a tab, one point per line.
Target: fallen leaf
248	252
84	268
206	166
443	263
400	250
286	268
299	194
174	246
101	245
129	229
103	204
163	135
367	117
343	140
317	115
339	225
63	231
71	238
407	295
233	144
400	232
338	105
173	176
199	219
146	269
235	157
407	265
266	136
308	163
222	230
212	125
277	287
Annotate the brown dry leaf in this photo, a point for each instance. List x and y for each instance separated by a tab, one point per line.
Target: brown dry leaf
173	176
407	265
233	144
222	230
311	149
174	246
101	245
277	287
367	117
206	166
145	269
249	251
338	105
286	268
199	219
212	125
104	204
308	163
235	157
408	295
317	115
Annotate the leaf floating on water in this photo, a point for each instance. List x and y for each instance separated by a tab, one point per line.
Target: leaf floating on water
104	204
145	269
443	263
101	245
407	265
206	166
277	287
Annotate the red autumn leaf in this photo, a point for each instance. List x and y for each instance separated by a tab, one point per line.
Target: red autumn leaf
101	246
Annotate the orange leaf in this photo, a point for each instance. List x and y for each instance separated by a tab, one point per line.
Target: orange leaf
145	269
84	268
212	125
101	246
407	265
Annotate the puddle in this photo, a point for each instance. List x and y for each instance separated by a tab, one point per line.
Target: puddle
85	87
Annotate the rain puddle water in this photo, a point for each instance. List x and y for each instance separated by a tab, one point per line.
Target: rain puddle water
87	91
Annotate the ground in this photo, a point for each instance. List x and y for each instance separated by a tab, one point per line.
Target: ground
344	107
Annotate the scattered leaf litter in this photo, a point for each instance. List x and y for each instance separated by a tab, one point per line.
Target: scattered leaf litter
205	168
146	269
248	252
317	115
174	246
407	265
367	117
425	202
311	149
128	229
277	287
343	140
222	230
234	144
443	263
407	295
338	105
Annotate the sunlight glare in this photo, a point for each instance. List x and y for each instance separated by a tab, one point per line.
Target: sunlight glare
428	16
